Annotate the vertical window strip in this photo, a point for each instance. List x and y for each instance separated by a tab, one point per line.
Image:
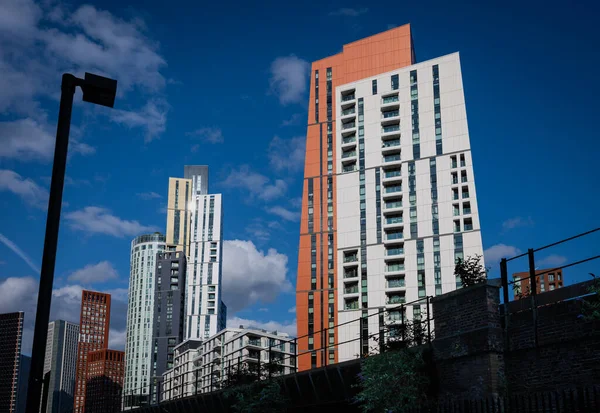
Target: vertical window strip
437	110
414	97
316	96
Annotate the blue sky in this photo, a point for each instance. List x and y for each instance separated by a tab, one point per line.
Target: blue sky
225	84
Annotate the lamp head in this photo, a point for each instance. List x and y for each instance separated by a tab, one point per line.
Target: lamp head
99	90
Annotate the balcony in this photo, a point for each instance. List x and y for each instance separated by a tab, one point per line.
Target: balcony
348	100
466	211
349	168
390	117
348	128
351	305
348	125
396	299
395	283
351	289
348	154
348	113
392	159
389	102
349	259
351	273
394	252
392	174
255	342
392	206
349	141
391	130
393	236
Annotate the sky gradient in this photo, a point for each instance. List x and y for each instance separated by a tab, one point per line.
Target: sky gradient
226	85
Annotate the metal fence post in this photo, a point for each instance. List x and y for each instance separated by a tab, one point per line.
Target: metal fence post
212	366
504	277
428	320
533	288
381	331
296	355
326	340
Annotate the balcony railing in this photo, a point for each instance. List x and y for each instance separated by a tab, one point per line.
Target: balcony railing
348	111
394	267
391	114
389	99
390	144
351	290
394	251
391	158
396	299
348	154
348	125
392	189
351	258
454	164
391	128
346	98
353	305
393	173
349	168
394	235
394	220
466	211
255	343
396	283
465	194
348	139
351	274
468	227
395	204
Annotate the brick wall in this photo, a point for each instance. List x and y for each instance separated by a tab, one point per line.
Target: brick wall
548	349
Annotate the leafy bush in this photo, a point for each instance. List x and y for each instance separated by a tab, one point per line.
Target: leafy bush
470	270
391	382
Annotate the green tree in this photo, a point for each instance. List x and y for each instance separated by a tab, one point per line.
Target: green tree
470	270
258	397
591	306
392	382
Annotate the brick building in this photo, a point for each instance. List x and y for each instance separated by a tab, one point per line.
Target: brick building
104	381
93	335
11	334
547	280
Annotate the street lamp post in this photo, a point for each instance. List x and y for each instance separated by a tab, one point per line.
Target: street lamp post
101	91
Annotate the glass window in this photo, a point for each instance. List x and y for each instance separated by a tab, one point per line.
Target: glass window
395	83
374	86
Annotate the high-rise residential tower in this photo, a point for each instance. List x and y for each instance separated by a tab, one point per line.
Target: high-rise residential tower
194	223
11	336
389	196
169	313
140	315
93	335
61	362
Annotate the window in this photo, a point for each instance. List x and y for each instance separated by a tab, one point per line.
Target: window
395	83
462	160
468	224
374	86
453	163
455	210
465	192
457	226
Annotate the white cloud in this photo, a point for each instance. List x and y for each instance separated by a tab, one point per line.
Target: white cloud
287	153
116	339
152	117
292	310
250	276
94	273
288	327
146	196
289	77
284	213
293	120
25	188
263	310
258	231
40	42
517	222
20	294
210	135
496	252
97	220
349	12
553	260
256	184
15	248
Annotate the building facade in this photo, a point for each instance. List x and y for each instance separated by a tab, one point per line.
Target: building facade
546	280
389	197
140	318
105	373
94	323
11	336
169	314
180	381
224	353
61	361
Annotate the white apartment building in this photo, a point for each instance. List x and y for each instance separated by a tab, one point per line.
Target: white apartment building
406	198
202	367
206	314
140	314
180	381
